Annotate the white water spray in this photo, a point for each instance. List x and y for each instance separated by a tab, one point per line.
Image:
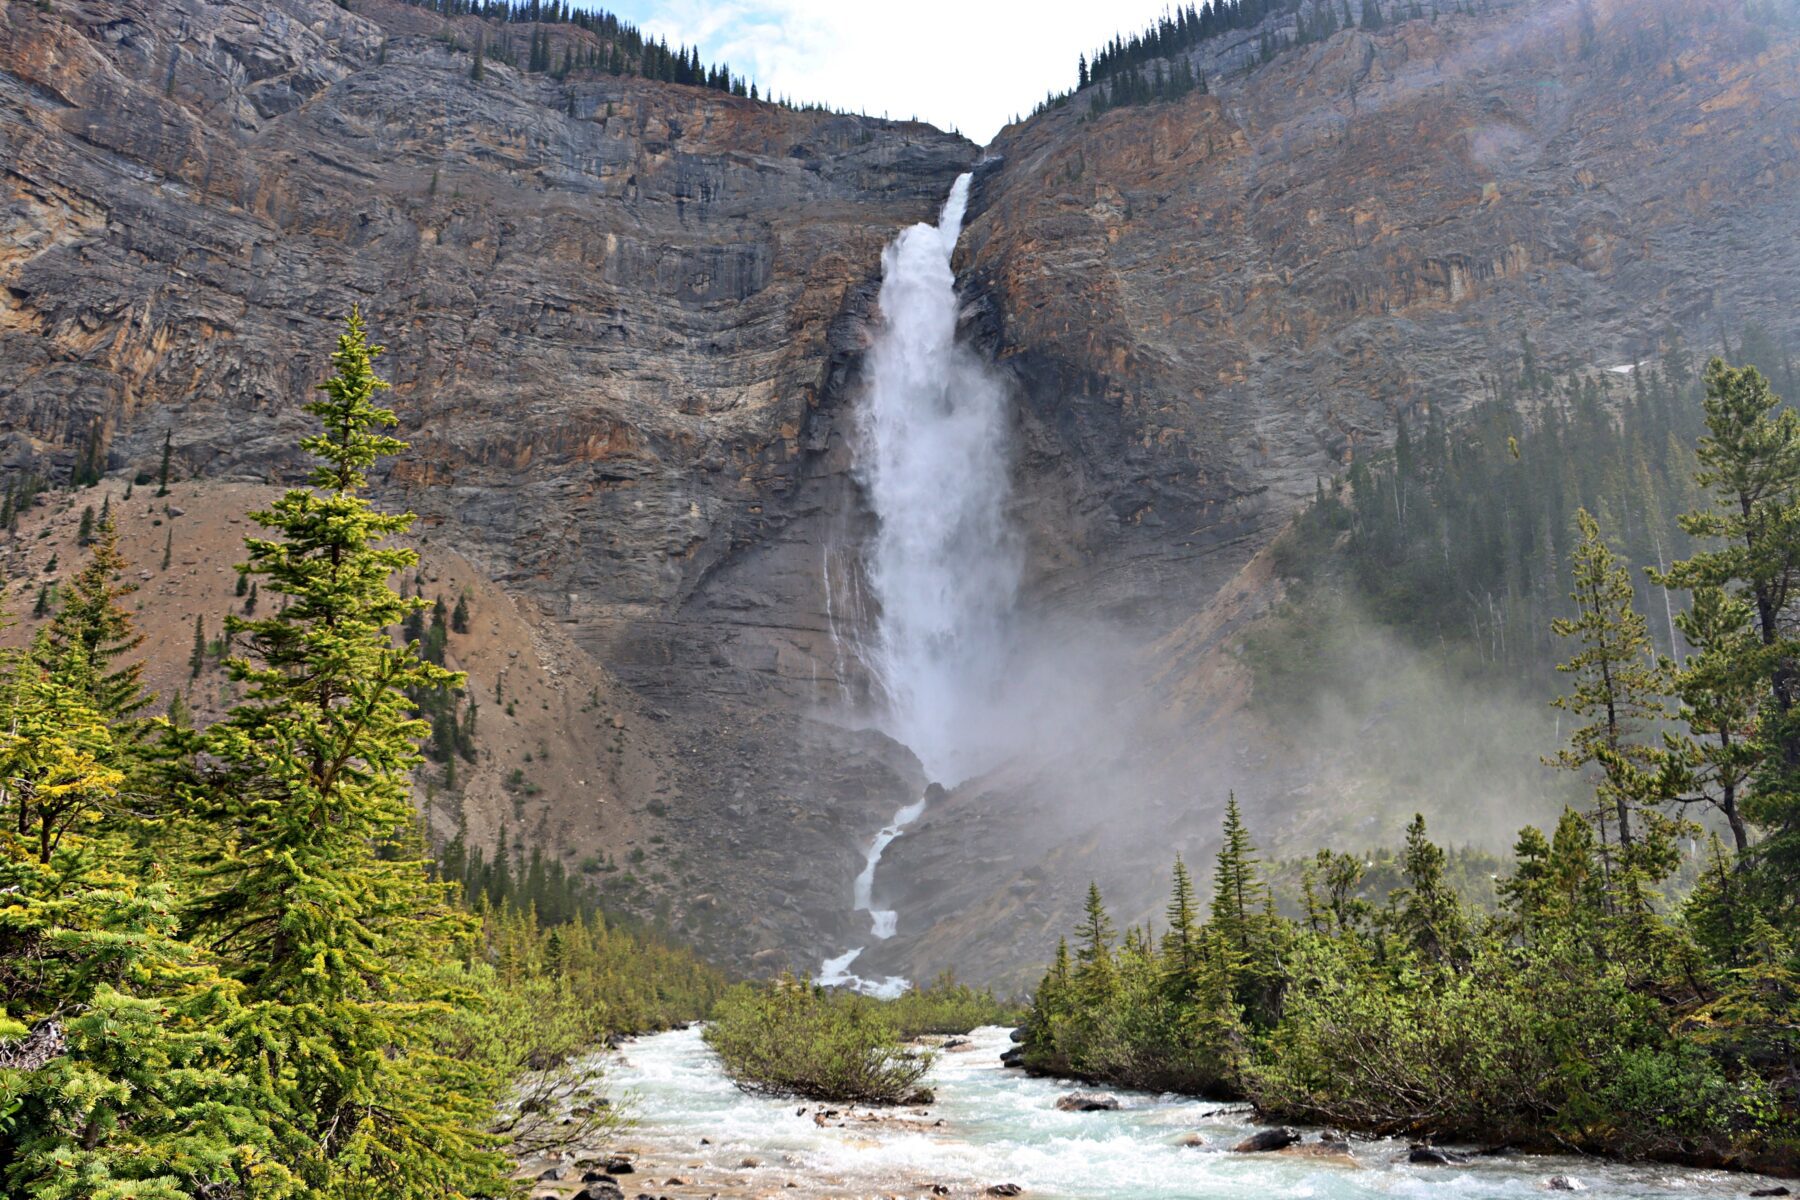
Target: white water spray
944	566
933	457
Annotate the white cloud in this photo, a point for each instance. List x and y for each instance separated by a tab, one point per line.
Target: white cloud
971	66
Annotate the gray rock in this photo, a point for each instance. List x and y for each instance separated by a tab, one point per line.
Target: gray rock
1265	1140
1087	1102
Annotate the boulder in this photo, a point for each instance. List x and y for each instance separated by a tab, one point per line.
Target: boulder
1431	1156
1088	1102
618	1164
1018	1034
1265	1140
1774	1191
1006	1189
1563	1183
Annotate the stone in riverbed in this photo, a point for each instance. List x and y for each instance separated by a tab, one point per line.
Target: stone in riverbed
1087	1102
1265	1140
618	1164
1563	1183
1014	1057
1774	1191
1006	1189
1018	1035
1431	1156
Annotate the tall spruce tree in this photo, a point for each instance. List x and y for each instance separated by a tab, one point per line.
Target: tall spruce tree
315	900
1617	692
1750	465
1093	950
1182	943
1720	687
92	622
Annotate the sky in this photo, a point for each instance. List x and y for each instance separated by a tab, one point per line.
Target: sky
970	65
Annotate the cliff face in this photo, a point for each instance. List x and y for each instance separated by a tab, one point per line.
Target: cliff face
1210	304
621	319
625	322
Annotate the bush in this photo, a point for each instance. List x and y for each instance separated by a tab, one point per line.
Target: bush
796	1039
950	1007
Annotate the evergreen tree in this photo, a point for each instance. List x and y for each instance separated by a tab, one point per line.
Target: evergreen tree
1094	946
162	474
1182	943
313	902
1750	464
1238	889
1720	686
1428	912
115	1079
1616	690
197	656
95	635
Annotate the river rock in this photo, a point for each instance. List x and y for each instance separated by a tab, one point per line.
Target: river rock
1006	1189
601	1191
1335	1154
618	1164
1431	1156
1774	1191
1265	1140
1017	1035
1088	1102
1564	1183
1014	1057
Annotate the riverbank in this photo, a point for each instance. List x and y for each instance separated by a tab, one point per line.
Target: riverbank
696	1135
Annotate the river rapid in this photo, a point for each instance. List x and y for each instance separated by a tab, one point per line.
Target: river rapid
696	1134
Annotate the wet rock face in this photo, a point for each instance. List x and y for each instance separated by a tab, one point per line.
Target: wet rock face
622	320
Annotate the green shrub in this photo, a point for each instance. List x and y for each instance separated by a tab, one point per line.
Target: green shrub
796	1039
950	1007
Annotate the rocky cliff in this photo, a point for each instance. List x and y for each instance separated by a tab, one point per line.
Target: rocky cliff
622	317
625	321
1210	304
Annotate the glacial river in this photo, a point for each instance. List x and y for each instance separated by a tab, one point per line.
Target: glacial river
993	1126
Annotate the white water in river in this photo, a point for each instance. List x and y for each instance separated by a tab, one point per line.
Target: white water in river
1003	1127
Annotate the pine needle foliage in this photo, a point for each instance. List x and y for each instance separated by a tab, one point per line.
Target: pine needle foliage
315	900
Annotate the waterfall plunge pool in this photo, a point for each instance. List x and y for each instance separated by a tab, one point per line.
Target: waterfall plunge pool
993	1126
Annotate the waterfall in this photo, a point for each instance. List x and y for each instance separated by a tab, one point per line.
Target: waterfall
932	455
943	566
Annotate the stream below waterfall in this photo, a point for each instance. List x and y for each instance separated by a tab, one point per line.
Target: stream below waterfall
993	1126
